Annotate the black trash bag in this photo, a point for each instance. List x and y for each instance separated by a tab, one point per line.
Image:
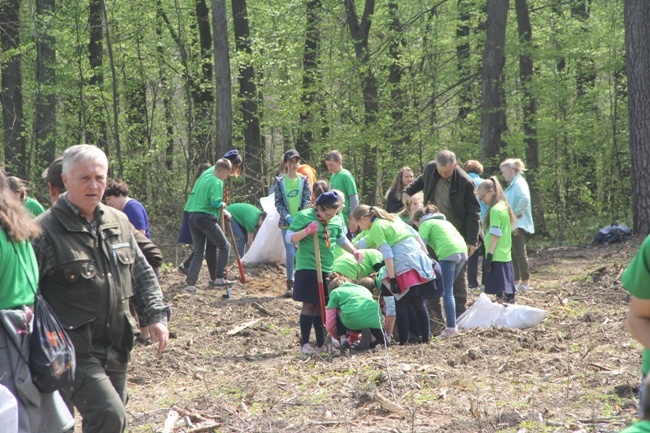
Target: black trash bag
612	234
51	353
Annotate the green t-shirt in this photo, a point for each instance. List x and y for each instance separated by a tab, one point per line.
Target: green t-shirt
33	206
292	191
306	255
358	309
443	238
344	182
635	280
639	427
347	265
206	196
246	215
18	273
386	232
500	217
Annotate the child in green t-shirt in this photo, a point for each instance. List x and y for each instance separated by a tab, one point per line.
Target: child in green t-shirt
245	220
351	309
451	250
498	273
323	220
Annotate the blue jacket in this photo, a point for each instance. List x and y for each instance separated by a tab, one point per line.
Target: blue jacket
477	181
281	202
518	196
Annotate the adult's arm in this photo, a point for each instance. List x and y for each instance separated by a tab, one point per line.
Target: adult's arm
521	197
472	217
414	187
151	252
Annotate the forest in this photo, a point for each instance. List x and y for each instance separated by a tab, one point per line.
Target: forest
163	85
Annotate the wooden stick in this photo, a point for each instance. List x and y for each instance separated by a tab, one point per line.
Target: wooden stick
242	275
319	277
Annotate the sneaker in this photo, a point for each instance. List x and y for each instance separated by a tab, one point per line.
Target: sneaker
449	332
321	349
182	269
336	343
190	289
142	341
306	349
289	292
221	282
477	289
523	287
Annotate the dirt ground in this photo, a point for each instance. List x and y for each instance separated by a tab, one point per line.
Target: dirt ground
576	372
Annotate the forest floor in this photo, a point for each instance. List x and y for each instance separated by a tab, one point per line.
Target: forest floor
576	372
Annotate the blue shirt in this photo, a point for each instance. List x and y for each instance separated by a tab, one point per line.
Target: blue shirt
477	181
137	215
518	196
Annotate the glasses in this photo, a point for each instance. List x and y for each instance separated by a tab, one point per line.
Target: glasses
483	196
328	215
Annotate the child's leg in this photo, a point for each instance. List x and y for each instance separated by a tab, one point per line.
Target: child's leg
290	250
402	319
390	312
216	235
306	322
449	303
319	330
211	259
423	316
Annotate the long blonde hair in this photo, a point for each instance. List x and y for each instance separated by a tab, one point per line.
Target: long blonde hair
14	218
364	210
492	184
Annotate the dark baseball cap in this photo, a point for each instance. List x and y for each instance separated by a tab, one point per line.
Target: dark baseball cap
53	173
291	154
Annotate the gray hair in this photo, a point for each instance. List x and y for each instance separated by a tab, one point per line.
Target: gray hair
444	158
82	154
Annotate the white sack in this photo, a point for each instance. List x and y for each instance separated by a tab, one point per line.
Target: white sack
485	314
8	411
268	246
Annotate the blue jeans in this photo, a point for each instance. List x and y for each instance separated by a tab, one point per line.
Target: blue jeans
291	255
205	226
241	236
450	267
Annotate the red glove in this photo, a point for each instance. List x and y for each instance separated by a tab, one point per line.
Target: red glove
312	228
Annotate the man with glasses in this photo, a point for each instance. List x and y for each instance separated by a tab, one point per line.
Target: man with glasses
453	192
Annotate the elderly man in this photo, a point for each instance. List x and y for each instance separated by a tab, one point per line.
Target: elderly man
90	266
453	192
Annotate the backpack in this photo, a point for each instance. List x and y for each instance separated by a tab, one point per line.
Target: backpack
612	234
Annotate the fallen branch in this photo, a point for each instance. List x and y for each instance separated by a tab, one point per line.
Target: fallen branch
261	309
202	428
388	405
242	326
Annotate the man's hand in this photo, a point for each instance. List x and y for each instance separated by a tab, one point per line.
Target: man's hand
159	334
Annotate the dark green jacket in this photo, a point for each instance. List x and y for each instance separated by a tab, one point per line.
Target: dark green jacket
88	280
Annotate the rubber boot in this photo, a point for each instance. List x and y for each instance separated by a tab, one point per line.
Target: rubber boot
289	292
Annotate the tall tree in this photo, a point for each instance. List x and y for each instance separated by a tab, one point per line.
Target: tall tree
248	99
97	132
637	42
311	79
203	93
45	111
526	71
360	32
11	95
398	107
493	118
222	76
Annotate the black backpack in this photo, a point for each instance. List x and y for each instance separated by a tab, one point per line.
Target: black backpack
612	234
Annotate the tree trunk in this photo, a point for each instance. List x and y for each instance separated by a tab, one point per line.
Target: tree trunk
12	88
116	99
203	93
637	42
526	71
222	76
399	137
360	31
311	79
493	118
254	149
97	129
45	110
463	56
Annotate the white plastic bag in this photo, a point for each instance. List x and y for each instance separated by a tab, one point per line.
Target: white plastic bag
268	246
485	314
8	411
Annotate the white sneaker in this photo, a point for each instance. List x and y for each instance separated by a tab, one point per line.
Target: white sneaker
449	332
523	288
306	349
336	343
321	349
190	289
